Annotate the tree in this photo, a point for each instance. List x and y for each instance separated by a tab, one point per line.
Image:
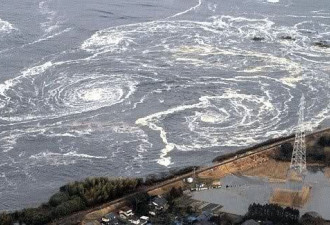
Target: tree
226	220
75	196
175	193
35	216
140	203
5	219
308	219
273	212
58	198
324	141
286	150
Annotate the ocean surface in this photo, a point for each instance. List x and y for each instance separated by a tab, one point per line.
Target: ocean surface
133	87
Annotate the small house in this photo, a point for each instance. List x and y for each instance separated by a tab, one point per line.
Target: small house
105	221
159	203
199	187
216	184
126	212
144	220
110	219
135	221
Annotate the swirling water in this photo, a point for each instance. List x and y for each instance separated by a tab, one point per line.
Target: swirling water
97	88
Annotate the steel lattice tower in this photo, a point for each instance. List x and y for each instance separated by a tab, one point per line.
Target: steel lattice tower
298	160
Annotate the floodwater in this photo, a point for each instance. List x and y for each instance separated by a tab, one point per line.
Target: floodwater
238	192
108	88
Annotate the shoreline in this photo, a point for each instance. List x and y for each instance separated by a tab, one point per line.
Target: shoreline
267	146
241	161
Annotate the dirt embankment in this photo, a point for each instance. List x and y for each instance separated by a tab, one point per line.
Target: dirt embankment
291	198
166	188
238	165
274	170
97	214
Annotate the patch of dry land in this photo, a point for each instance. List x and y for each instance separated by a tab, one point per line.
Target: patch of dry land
91	218
275	171
166	188
291	198
236	166
327	172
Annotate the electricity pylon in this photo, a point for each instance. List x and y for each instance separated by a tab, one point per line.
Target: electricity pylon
298	160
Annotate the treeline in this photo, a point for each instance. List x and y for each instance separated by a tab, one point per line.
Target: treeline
324	141
285	152
245	150
273	213
80	195
74	197
5	219
319	152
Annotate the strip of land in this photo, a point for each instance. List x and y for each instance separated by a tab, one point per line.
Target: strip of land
256	160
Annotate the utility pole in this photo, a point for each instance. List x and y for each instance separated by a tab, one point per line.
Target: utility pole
298	160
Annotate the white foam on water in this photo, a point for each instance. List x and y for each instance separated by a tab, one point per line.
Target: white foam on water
53	26
70	94
37	69
80	155
50	25
45	38
291	81
93	95
222	43
103	41
8	84
91	92
294	68
57	159
273	1
8	142
212	7
6	27
213	117
64	134
151	122
241	119
208	40
188	10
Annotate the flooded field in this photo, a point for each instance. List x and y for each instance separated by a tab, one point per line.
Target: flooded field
238	192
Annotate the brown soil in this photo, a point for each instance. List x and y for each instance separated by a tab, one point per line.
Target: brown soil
272	169
95	215
237	166
327	172
291	198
